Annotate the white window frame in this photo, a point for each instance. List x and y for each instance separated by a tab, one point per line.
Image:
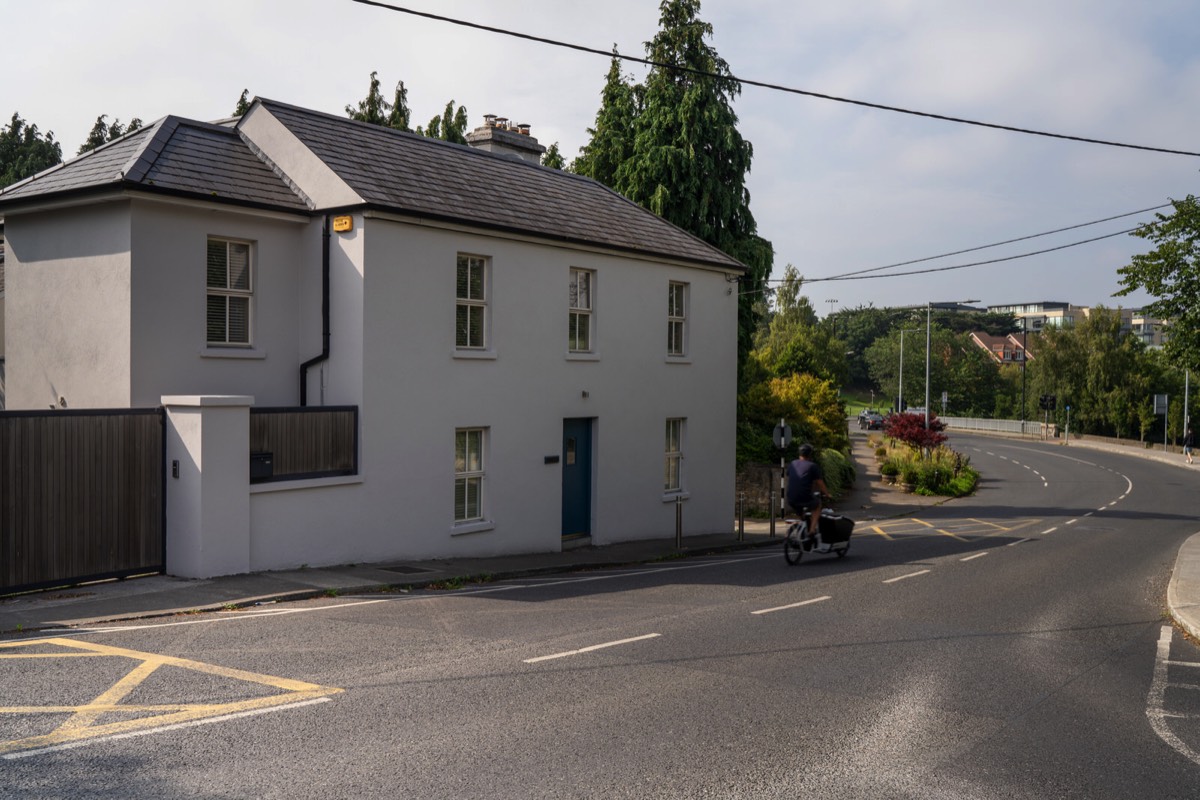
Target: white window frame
581	311
470	303
677	299
673	455
470	449
228	292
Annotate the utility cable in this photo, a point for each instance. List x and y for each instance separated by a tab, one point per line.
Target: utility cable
857	277
847	275
771	86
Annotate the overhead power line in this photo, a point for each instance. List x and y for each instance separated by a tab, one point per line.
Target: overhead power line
848	275
772	86
855	277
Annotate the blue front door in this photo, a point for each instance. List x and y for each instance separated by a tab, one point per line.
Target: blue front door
577	478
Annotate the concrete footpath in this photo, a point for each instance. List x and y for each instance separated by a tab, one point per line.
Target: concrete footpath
163	595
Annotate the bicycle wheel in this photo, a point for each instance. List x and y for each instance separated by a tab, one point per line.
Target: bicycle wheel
792	550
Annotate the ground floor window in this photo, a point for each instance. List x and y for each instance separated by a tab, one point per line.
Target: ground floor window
468	474
674	455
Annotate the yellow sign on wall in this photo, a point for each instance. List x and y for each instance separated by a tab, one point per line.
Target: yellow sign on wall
343	223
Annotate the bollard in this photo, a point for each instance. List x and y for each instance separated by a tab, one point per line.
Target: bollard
741	537
678	523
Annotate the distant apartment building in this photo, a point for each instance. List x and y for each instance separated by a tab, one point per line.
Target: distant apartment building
1033	317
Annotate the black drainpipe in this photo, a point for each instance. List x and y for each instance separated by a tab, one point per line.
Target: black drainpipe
324	315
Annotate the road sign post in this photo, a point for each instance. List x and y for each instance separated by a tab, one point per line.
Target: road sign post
782	436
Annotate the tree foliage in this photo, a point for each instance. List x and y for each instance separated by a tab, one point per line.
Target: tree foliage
911	429
553	157
794	341
450	126
24	151
611	140
104	132
680	153
243	104
1107	376
811	407
1171	274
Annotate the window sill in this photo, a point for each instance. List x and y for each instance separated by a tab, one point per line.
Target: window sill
583	356
233	352
671	497
679	360
474	355
464	528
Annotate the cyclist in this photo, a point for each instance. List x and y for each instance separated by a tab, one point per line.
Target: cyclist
805	486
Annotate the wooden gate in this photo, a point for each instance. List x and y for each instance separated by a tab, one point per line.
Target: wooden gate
81	496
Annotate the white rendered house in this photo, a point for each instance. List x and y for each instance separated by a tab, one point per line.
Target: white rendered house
533	358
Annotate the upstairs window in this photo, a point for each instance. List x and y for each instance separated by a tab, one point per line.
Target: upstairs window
579	331
470	309
229	292
677	319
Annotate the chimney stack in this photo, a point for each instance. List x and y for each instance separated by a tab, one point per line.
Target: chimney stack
500	135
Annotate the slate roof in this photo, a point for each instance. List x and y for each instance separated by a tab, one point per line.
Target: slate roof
173	156
390	170
412	174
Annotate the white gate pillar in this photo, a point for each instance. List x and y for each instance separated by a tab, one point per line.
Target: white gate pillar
208	485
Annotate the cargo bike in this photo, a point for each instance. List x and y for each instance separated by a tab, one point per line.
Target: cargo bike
831	535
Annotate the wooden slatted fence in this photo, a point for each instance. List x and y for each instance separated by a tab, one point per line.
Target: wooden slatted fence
303	442
81	496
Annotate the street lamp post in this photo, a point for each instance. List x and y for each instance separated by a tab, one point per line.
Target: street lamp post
928	329
900	383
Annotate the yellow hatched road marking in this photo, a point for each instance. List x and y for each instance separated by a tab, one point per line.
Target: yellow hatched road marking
879	530
84	720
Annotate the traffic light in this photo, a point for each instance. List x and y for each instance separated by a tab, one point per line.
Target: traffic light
1048	402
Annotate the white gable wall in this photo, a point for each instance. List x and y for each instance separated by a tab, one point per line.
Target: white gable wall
67	322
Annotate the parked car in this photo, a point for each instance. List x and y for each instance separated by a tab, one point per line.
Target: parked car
870	420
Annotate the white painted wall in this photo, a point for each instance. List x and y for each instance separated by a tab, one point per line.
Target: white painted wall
168	352
415	392
67	322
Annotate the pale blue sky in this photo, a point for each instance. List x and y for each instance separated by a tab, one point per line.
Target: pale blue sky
834	187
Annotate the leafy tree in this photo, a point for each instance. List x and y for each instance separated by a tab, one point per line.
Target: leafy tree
24	151
811	407
611	142
243	103
399	117
794	342
553	157
102	132
1171	274
910	429
689	162
451	126
1105	375
373	108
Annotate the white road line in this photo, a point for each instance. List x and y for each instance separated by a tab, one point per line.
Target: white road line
970	558
792	605
1155	700
1050	530
1184	663
1070	522
164	729
591	648
909	575
1017	542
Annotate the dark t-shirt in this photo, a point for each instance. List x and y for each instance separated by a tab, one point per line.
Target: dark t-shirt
801	477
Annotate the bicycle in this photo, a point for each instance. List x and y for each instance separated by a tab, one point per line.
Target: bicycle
803	536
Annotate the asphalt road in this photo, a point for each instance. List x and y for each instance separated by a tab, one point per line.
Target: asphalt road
1011	644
